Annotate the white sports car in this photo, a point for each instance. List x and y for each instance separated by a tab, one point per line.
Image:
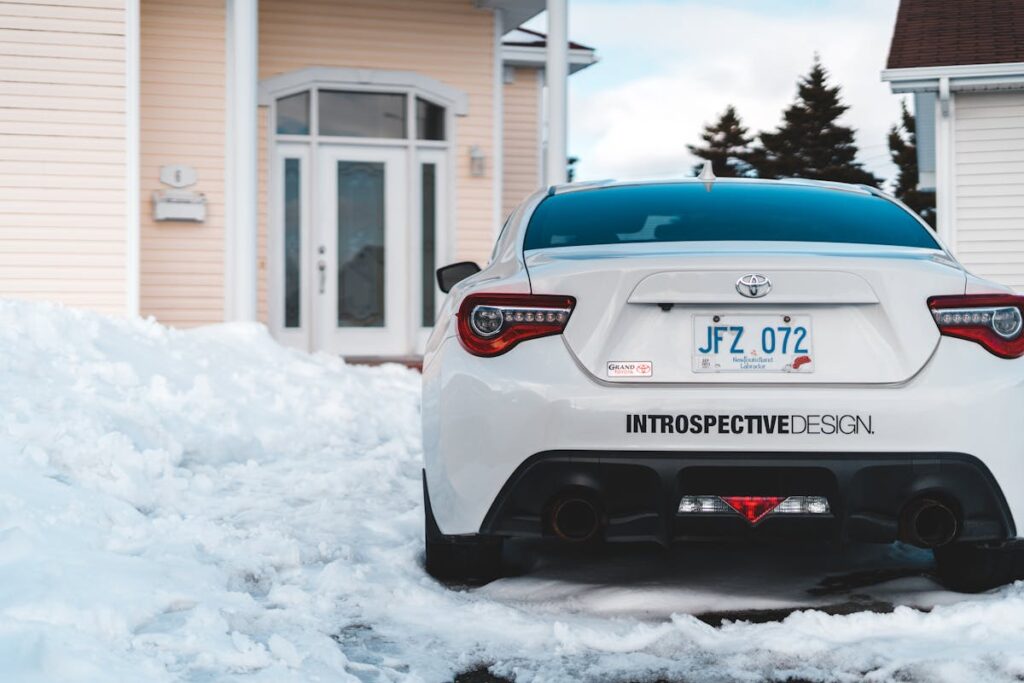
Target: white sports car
712	359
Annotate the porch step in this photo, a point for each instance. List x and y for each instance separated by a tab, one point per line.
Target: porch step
414	362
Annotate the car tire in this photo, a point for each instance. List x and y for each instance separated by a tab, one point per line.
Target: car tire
976	567
469	558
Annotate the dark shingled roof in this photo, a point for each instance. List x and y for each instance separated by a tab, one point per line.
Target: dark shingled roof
948	32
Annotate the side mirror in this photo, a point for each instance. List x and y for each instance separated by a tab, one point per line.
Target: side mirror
449	276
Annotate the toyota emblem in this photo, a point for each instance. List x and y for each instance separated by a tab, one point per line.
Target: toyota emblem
754	285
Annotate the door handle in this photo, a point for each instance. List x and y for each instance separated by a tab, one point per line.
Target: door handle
321	266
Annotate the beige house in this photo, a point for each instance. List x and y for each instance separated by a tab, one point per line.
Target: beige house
305	163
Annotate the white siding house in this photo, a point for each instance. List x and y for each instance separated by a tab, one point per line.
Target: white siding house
964	64
988	184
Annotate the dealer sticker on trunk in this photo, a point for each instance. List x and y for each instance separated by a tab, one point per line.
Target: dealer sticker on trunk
630	368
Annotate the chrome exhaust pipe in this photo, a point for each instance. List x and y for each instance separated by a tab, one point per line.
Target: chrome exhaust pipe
928	523
575	517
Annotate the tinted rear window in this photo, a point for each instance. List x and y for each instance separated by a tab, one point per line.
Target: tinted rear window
689	212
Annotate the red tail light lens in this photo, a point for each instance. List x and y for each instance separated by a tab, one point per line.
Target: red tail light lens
753	508
491	324
996	321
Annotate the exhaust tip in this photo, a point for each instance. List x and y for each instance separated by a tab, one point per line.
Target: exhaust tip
928	523
575	517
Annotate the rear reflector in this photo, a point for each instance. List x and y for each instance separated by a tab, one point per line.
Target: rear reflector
491	324
754	508
702	504
804	505
995	321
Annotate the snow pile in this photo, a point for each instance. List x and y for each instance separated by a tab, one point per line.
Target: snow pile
206	505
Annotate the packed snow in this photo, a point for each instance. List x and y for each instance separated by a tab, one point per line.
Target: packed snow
206	505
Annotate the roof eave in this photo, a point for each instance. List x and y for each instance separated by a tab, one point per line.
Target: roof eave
517	12
962	77
524	55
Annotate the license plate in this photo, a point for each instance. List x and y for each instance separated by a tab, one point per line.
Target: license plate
752	343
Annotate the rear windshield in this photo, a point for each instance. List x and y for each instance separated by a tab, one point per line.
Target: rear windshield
690	212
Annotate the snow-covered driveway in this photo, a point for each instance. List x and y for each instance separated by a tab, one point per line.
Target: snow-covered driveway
207	506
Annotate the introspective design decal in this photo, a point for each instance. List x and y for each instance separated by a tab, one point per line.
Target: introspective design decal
827	425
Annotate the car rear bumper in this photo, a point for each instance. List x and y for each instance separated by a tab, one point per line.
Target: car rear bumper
484	419
638	494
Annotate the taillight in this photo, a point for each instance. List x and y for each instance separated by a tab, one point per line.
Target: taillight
996	321
754	508
491	324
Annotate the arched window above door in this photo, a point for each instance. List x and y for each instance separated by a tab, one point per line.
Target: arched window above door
360	114
362	103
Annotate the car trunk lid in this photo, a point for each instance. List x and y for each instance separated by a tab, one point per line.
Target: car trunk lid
642	310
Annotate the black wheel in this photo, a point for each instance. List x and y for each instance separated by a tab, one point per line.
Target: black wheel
976	567
472	558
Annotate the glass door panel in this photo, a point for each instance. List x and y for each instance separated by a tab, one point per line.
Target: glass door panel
289	250
293	202
361	248
428	251
428	243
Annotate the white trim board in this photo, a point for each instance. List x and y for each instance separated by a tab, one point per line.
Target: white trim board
133	178
945	172
327	77
516	11
498	124
241	191
524	55
1009	75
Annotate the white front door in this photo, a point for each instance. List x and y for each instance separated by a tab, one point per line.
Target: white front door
361	252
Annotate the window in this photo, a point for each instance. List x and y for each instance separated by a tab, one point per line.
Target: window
349	113
688	212
428	262
293	114
292	243
361	244
362	114
429	120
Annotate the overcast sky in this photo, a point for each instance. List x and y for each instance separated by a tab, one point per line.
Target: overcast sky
667	67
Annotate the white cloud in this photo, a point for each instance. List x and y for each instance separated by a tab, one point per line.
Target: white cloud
670	68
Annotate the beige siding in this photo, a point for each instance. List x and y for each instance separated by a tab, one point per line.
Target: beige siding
989	184
521	137
183	118
182	95
450	40
62	153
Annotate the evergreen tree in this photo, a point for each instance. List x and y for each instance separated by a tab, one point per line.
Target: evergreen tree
810	143
903	150
726	146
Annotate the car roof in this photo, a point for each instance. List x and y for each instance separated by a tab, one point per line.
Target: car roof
591	185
